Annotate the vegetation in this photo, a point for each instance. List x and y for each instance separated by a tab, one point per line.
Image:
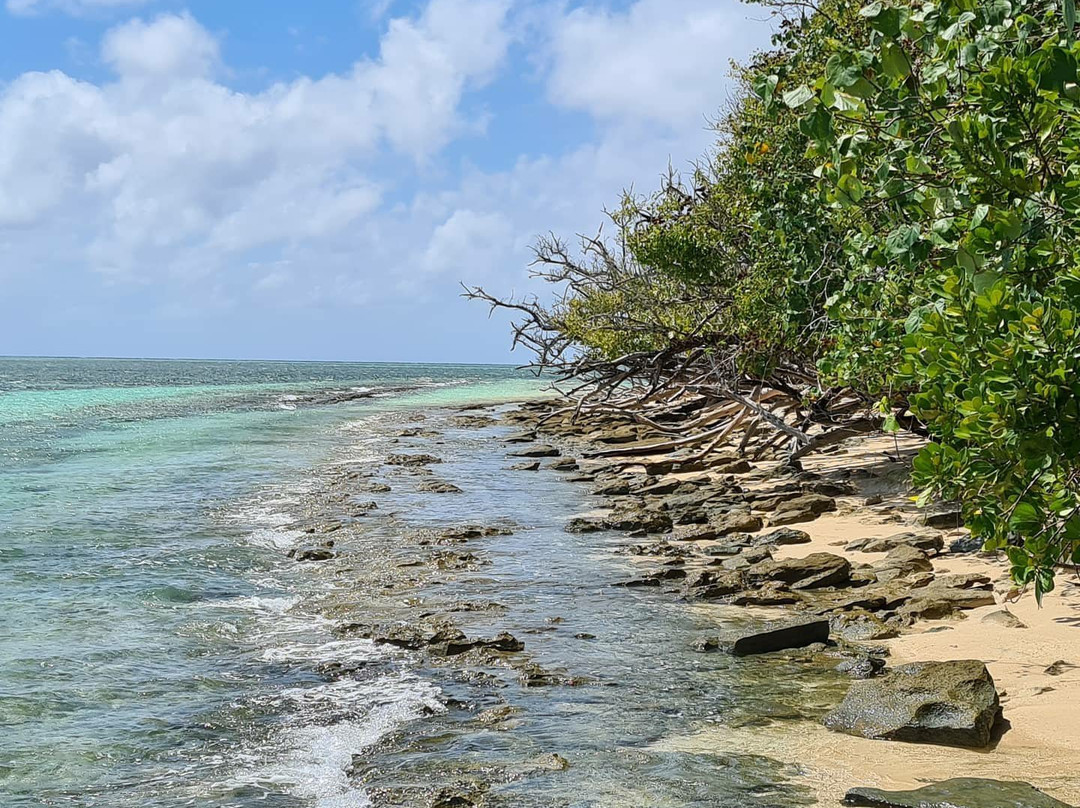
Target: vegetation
887	231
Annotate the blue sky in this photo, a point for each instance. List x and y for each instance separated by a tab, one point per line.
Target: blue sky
278	179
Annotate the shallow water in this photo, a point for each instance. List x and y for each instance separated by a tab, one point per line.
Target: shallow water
159	648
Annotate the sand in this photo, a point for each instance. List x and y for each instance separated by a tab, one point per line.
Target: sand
1043	744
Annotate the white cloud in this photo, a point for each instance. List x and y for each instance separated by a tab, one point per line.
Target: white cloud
336	190
166	169
170	47
659	60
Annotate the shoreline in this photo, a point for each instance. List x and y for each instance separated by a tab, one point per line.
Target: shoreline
434	598
1030	661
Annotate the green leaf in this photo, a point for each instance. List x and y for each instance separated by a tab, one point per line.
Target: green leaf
1025	518
894	61
901	240
797	97
1070	18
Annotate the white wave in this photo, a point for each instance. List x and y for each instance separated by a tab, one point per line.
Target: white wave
313	759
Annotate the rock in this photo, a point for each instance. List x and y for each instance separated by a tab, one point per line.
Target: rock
735	522
771	594
945	703
585	524
1058	668
473	421
438	487
784	536
533	466
961	792
1004	618
747	558
314	554
741	466
829	488
639	519
779	636
813	571
711	584
966	544
803	509
669	465
520	437
864	668
412	460
927	542
563	464
944	597
860	626
902	561
943	517
541	450
618	488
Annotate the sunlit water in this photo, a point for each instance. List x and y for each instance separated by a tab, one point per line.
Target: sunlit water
158	648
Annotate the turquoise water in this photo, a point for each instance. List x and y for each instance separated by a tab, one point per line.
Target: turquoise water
133	495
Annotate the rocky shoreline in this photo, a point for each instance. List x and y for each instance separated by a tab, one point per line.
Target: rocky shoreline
716	533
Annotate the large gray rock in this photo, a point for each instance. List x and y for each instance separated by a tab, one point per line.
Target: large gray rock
902	561
778	637
813	571
946	595
946	703
735	522
541	450
961	792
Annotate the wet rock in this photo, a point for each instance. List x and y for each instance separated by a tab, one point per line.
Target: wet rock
376	488
1004	618
533	466
438	487
945	703
961	792
813	571
943	517
520	437
647	521
861	626
709	585
929	543
771	594
541	450
314	554
585	524
563	464
865	668
779	636
803	509
473	421
412	460
616	488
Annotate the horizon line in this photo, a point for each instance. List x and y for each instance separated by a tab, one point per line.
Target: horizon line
258	359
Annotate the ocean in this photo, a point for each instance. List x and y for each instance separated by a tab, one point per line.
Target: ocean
160	647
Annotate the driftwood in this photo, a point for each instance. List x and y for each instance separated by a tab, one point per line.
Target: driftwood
687	389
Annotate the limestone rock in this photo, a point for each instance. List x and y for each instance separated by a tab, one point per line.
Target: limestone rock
946	703
813	571
961	792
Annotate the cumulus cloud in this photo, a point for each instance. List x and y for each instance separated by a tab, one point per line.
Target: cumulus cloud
166	169
338	190
658	60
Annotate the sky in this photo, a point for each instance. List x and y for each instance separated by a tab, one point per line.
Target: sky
313	180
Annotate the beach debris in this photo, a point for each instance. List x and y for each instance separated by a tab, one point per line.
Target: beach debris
945	703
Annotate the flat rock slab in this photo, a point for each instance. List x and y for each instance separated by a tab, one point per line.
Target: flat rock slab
946	703
778	637
962	792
